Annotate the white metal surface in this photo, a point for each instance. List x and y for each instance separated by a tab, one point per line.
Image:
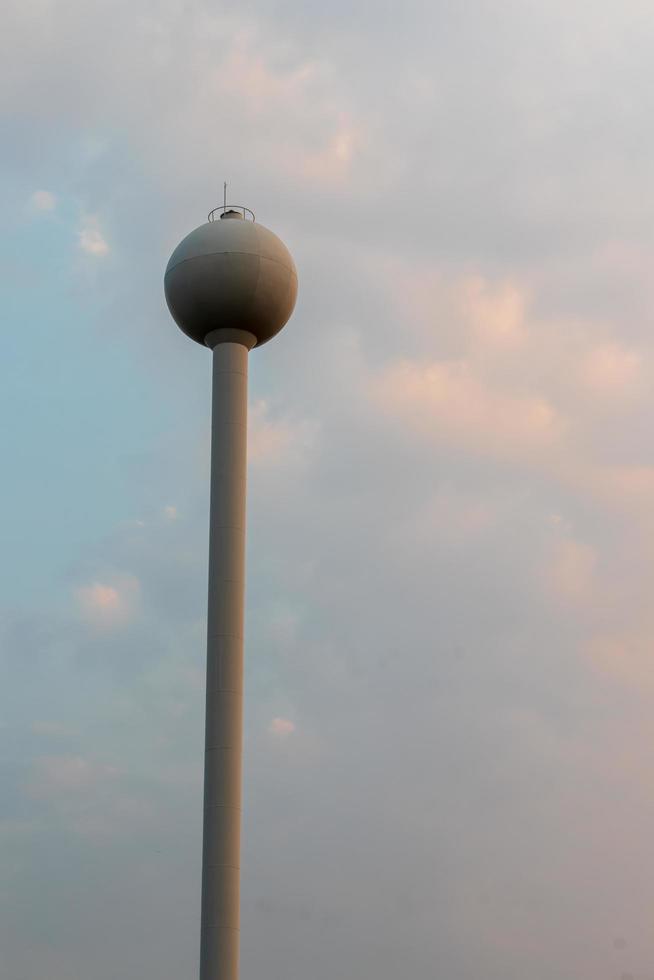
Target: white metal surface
221	860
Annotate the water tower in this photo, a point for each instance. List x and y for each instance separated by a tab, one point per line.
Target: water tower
230	285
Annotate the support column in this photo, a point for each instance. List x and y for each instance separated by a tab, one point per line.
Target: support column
221	852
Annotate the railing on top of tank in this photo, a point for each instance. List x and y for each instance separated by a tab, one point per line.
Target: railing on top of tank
218	212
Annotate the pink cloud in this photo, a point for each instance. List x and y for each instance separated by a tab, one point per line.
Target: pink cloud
87	796
496	311
489	375
446	401
324	139
109	604
610	368
624	656
570	571
43	201
281	727
275	442
91	239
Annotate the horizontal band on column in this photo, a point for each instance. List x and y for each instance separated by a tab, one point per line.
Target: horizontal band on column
205	927
228	336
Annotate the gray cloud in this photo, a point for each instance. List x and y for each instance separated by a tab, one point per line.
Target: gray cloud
449	541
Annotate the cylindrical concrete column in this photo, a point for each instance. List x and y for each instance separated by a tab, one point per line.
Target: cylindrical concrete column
219	954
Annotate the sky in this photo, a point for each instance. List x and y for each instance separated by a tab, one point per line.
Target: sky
450	686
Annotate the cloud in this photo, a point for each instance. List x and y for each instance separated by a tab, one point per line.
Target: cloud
281	727
624	657
446	402
90	798
333	162
570	572
43	201
275	442
91	239
497	311
63	774
109	604
611	369
49	729
471	355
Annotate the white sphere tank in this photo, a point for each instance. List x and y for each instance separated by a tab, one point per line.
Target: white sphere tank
231	274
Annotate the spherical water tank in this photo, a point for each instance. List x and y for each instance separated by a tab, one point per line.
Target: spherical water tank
231	274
